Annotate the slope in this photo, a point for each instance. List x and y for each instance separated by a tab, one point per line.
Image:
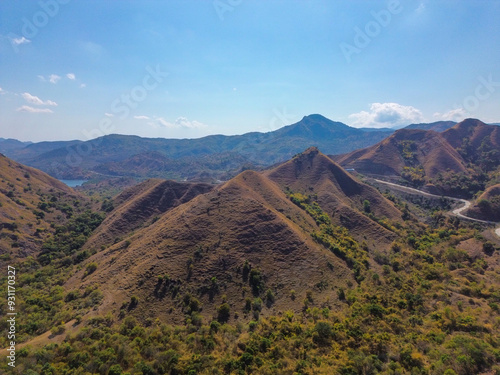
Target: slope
207	247
31	203
427	152
339	194
141	204
477	142
244	239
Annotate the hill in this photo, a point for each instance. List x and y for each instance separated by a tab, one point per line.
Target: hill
337	192
424	150
459	161
120	155
477	142
247	238
140	205
31	204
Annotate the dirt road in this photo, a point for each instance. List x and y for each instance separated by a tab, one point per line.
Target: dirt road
457	211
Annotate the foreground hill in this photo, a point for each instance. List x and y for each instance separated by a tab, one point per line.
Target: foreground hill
247	238
121	155
31	203
457	161
337	192
140	204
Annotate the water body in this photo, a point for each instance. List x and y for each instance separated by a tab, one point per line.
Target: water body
73	183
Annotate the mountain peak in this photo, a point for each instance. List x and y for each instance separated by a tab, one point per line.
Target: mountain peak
315	117
468	122
313	150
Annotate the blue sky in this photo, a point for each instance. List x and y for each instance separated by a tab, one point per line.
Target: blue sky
74	69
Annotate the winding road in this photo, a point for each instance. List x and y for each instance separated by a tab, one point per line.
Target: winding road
457	211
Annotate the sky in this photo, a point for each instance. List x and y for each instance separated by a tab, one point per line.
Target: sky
79	69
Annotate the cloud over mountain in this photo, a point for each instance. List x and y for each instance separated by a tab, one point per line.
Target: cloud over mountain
386	115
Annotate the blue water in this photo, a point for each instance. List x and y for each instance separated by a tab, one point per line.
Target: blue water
73	183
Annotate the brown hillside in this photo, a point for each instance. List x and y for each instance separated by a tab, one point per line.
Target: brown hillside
140	204
487	206
247	219
474	132
411	148
338	193
30	201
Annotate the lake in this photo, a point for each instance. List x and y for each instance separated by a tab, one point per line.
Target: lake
73	183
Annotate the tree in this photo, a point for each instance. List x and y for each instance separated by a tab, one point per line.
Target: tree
367	206
223	313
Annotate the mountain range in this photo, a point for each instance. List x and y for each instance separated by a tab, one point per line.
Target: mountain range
210	158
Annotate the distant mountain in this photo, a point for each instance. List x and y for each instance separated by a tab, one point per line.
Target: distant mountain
213	155
377	129
458	161
9	144
32	150
439	126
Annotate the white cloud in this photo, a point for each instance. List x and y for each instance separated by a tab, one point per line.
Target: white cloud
109	115
71	76
382	115
180	122
185	123
164	123
54	78
32	99
457	114
83	85
41	78
21	40
26	108
2	91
